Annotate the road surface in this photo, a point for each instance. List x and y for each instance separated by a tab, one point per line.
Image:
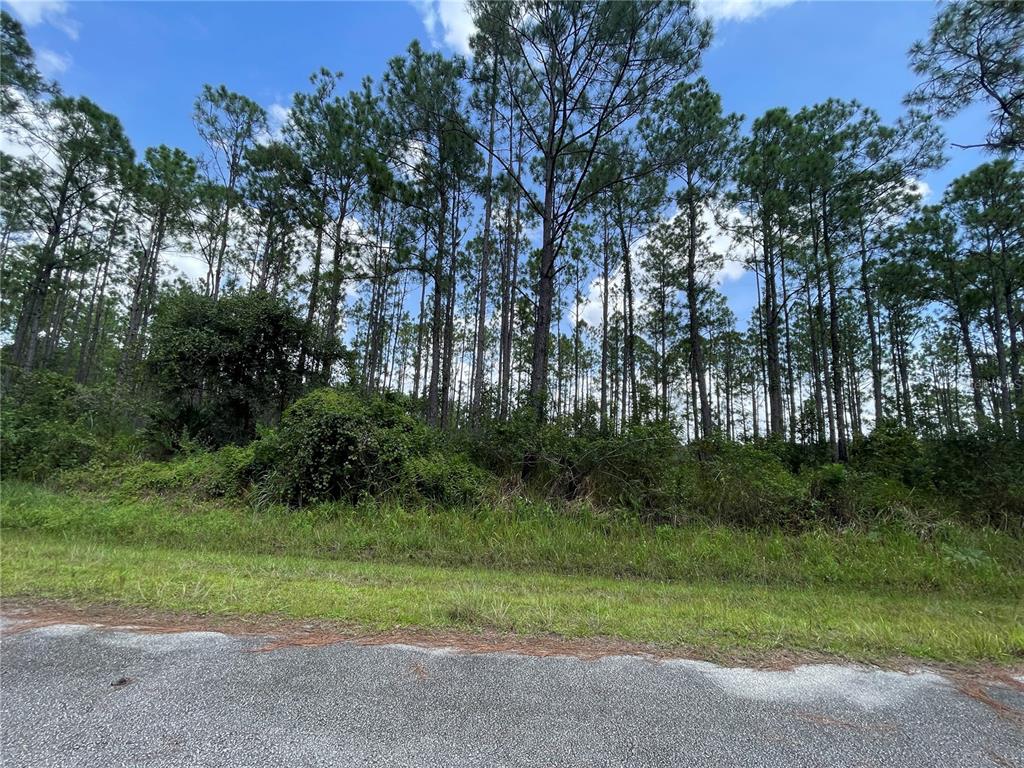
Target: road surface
87	695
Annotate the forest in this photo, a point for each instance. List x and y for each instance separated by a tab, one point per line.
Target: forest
498	278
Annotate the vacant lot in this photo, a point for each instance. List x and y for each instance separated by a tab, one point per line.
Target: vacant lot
955	595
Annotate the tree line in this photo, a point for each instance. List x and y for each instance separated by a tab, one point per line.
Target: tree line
540	230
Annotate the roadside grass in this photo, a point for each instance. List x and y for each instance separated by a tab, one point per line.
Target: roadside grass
380	596
948	560
954	594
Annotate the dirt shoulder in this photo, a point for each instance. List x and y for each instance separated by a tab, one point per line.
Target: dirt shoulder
284	632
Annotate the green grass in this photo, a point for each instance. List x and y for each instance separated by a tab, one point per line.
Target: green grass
953	596
952	560
379	595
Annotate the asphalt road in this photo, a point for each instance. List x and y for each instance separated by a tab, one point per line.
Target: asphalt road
207	699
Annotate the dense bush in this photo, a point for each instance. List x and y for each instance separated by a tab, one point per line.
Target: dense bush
221	368
632	470
635	470
344	445
738	485
333	444
450	479
49	423
205	474
893	451
983	476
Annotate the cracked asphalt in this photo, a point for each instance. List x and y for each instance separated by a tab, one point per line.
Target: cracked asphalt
82	695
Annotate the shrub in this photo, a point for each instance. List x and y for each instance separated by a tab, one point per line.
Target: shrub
632	470
450	479
49	424
892	451
841	495
202	474
737	484
635	470
831	493
335	445
985	475
882	500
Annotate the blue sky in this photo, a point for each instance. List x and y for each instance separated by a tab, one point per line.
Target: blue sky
146	61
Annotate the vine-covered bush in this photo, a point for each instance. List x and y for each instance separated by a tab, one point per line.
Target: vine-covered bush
204	474
984	476
450	479
893	451
333	445
222	368
632	470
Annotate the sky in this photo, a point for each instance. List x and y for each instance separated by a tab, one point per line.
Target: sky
146	61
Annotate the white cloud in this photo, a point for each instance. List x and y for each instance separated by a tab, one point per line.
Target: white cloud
177	260
52	12
277	116
591	305
448	23
724	243
920	188
51	63
737	10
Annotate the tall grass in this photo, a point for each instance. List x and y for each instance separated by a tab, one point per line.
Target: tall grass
535	537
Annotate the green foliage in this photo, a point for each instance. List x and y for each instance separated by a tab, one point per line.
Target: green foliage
222	367
984	476
632	470
343	445
892	451
448	479
200	474
893	476
49	424
18	75
737	484
973	54
336	445
829	489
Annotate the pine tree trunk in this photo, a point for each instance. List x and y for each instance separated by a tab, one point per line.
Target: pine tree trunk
437	315
481	312
629	342
696	343
876	352
313	299
604	332
771	322
545	298
842	453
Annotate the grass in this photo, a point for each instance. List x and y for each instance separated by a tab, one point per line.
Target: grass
952	560
955	596
382	595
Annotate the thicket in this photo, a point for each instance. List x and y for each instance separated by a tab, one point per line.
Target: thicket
219	369
337	444
48	423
